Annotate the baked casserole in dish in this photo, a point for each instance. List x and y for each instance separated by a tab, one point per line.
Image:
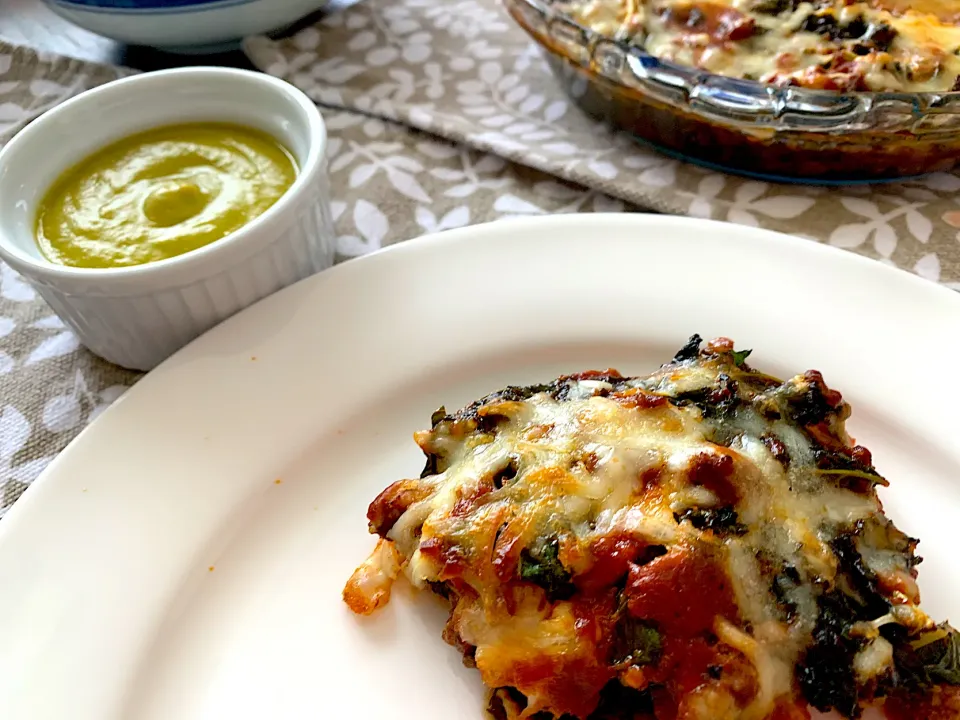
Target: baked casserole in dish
821	90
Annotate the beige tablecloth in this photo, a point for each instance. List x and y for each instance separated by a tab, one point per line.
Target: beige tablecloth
460	70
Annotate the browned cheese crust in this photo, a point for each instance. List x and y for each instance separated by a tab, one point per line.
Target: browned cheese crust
701	543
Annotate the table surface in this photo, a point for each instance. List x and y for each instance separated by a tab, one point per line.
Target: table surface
31	22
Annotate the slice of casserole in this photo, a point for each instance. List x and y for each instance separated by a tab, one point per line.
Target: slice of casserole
703	543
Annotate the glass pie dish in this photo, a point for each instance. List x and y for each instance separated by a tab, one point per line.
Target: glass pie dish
744	126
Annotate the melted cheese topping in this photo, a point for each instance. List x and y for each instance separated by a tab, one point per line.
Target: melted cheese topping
557	517
583	506
883	45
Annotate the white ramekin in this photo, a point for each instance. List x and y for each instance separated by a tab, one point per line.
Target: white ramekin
138	316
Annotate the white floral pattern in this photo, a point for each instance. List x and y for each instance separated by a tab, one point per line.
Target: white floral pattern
15	475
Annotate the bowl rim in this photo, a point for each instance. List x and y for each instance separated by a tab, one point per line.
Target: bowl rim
108	6
838	107
312	164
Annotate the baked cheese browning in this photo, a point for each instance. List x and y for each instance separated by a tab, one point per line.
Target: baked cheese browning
702	543
877	45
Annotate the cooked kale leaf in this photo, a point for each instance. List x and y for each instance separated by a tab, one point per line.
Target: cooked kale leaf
740	357
432	466
826	673
636	642
543	567
775	7
716	401
722	521
861	580
941	657
690	350
930	659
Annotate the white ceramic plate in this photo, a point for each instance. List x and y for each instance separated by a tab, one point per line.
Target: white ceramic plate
184	557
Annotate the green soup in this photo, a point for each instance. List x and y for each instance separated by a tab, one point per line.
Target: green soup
161	193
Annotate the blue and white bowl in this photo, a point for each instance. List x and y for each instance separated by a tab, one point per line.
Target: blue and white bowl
184	26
